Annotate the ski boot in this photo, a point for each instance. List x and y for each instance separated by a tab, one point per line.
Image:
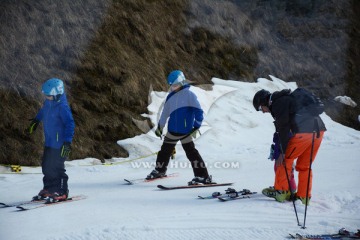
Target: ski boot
279	195
303	200
269	192
43	194
201	180
57	197
155	174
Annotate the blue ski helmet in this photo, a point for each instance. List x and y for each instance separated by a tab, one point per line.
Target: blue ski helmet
176	77
53	87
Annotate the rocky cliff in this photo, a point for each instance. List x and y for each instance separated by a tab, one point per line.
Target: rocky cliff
111	53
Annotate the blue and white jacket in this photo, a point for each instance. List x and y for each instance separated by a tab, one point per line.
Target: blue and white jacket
57	121
183	110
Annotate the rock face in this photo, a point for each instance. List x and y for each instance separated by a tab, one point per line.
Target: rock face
111	53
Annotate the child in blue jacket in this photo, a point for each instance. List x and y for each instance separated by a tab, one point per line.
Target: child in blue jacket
184	115
58	124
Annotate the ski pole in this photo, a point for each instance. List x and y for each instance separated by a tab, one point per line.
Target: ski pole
288	180
308	183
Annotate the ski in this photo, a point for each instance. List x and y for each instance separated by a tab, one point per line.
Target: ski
342	234
39	204
140	180
245	193
14	204
227	198
193	186
212	196
230	192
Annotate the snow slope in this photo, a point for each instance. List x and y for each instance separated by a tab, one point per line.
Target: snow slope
234	143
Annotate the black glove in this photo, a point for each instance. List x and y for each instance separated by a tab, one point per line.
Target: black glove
33	125
65	149
158	131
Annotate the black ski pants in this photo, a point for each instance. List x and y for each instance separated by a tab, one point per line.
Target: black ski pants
53	167
163	157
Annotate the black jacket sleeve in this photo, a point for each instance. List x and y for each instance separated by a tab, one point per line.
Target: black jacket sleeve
282	110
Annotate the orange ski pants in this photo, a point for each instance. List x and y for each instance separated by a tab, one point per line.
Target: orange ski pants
299	147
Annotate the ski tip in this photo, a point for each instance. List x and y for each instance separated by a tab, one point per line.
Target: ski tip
20	208
128	182
292	236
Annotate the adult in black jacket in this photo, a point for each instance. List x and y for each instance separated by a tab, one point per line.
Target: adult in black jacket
302	125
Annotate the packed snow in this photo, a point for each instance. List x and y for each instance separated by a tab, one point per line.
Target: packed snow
235	143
